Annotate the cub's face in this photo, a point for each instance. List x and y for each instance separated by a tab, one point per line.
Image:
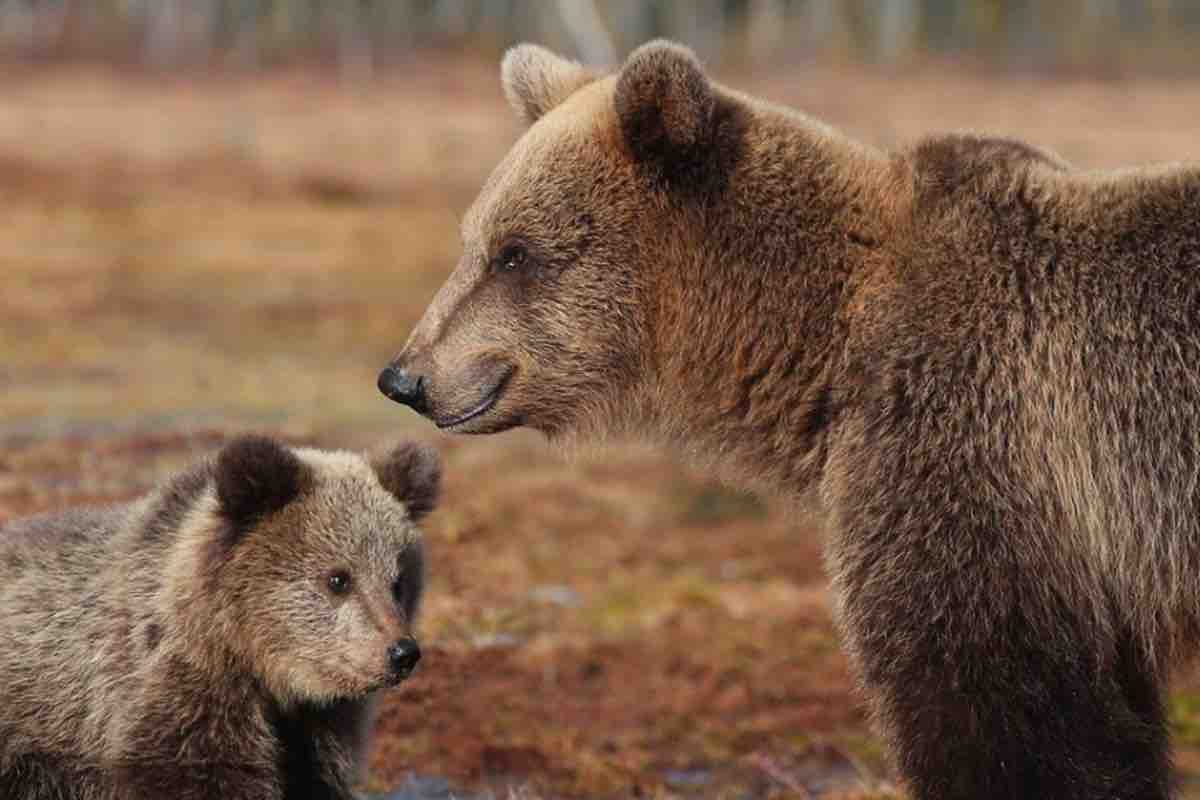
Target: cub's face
545	322
325	586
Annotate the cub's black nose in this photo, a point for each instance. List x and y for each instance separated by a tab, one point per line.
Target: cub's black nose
403	387
404	655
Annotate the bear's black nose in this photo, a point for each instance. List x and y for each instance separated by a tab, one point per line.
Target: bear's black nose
402	386
404	655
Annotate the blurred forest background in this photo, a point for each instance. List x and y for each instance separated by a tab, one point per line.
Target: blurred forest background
226	215
361	36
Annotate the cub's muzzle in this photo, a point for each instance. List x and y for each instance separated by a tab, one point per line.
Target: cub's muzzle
403	657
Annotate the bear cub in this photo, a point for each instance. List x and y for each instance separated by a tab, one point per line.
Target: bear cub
225	636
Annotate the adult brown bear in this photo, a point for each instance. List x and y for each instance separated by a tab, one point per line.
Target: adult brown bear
985	362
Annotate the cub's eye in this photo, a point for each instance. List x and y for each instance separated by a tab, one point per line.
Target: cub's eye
512	257
339	582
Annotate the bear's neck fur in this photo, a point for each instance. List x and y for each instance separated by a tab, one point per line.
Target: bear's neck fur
758	316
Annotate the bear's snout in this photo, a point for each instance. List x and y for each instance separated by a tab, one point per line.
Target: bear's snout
403	657
402	386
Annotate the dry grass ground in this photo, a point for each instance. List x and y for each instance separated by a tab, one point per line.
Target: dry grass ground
182	260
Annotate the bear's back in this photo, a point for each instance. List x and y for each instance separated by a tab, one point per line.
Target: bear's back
997	193
1069	302
49	561
53	576
56	533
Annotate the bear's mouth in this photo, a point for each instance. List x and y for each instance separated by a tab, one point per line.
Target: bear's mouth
490	398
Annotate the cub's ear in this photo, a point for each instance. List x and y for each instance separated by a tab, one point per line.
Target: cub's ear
665	103
256	476
412	473
536	80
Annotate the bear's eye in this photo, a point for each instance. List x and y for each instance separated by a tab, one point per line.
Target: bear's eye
339	581
512	257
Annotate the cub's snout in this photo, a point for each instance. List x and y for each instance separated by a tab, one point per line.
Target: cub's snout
403	657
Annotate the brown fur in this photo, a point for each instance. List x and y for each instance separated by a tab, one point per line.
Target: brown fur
985	362
187	645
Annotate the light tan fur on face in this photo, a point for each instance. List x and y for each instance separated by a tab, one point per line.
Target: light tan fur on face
351	522
468	326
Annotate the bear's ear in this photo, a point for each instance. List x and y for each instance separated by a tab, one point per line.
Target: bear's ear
412	473
665	103
536	80
256	476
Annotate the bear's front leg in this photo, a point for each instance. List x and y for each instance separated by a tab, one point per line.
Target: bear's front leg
180	781
192	738
38	776
999	664
328	748
323	748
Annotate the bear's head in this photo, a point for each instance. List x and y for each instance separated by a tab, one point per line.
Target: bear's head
547	320
316	561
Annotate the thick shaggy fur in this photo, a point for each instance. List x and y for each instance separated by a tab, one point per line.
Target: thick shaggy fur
187	645
985	362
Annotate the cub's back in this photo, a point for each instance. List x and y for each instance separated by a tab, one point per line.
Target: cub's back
57	615
48	562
